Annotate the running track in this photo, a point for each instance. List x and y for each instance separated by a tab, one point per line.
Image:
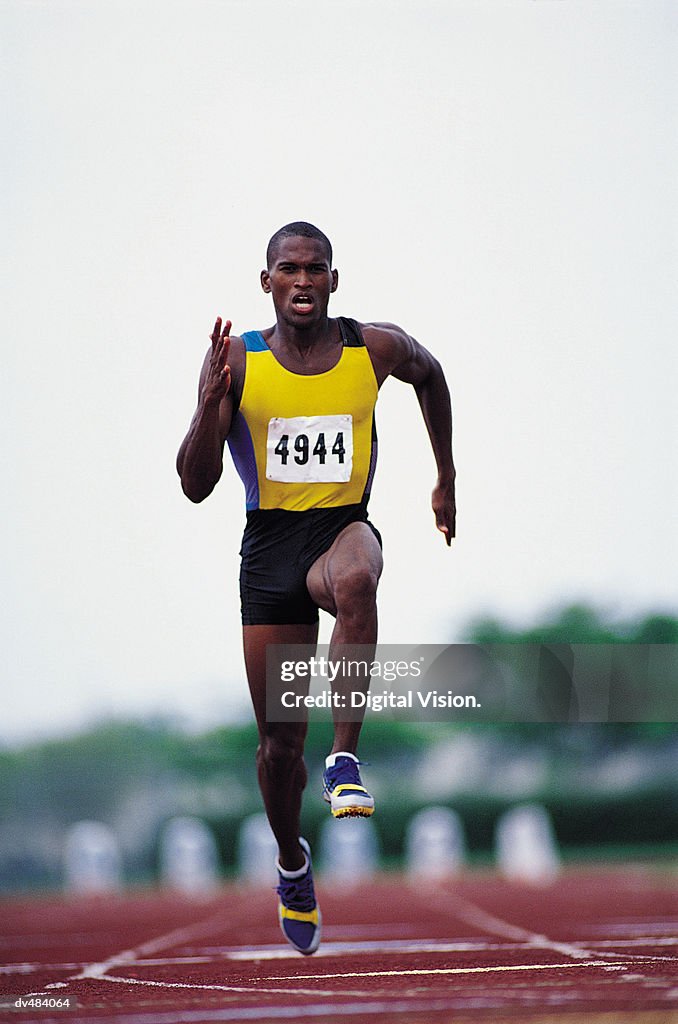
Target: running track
597	946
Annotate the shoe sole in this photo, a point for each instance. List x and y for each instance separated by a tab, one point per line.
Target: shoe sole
349	810
353	812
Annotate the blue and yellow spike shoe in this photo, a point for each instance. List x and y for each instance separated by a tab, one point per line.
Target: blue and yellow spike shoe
298	910
343	789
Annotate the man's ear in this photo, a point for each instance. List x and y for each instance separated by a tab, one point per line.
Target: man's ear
265	279
335	280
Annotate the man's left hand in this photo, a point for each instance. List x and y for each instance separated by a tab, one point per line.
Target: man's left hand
445	509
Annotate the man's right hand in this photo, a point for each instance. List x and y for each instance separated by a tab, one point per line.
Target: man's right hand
217	383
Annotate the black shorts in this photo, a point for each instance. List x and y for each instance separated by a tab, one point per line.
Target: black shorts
278	548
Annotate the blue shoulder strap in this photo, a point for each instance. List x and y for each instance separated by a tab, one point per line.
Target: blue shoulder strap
254	342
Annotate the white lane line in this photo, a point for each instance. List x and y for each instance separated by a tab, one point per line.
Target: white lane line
246	954
647	940
32	967
452	970
254	989
626	929
159	962
173	938
388	948
474	915
256	986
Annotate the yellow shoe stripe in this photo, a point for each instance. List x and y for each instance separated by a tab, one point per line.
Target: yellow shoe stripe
347	785
299	915
354	812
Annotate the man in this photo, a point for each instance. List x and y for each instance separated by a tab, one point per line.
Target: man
296	404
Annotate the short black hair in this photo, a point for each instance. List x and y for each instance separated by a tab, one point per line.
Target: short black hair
297	229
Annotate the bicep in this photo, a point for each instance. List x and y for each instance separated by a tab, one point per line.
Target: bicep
396	353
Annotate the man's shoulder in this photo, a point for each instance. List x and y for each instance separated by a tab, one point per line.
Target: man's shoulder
388	346
386	339
382	334
381	327
241	342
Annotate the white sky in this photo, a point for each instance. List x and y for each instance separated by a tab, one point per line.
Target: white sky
498	178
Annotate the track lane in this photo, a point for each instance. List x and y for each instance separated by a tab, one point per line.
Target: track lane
476	948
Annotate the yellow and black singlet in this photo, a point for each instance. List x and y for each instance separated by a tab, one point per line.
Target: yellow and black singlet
306	449
306	442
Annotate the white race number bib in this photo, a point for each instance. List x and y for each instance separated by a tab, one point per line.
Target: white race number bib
310	449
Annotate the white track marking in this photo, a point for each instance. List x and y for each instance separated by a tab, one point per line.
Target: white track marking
173	938
647	940
453	970
474	915
145	955
33	967
278	952
389	947
626	929
254	989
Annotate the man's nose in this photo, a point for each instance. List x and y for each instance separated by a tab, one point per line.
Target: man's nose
303	277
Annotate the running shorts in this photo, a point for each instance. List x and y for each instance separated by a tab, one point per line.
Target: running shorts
278	548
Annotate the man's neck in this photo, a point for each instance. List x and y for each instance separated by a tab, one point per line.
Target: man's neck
303	340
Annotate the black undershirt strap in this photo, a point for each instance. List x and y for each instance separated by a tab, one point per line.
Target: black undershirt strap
351	335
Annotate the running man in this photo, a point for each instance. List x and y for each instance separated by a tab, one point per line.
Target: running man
296	404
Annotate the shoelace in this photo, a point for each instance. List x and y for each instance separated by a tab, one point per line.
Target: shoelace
344	771
297	893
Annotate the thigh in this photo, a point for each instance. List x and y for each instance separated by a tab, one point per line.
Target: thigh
255	641
355	548
273	586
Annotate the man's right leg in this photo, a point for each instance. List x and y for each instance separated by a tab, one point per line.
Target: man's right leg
280	760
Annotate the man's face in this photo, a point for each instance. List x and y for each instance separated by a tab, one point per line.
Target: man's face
300	281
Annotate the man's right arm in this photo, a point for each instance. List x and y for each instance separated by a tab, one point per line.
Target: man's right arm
200	458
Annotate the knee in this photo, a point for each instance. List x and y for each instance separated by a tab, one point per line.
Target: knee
280	753
355	591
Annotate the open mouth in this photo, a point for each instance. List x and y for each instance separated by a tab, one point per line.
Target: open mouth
303	303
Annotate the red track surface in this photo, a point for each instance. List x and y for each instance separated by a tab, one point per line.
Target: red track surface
595	946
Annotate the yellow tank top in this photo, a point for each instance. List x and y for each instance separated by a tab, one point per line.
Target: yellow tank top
301	442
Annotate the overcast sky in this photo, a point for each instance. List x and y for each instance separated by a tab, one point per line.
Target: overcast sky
498	178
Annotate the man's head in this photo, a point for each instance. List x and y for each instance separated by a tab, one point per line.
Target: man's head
299	275
297	229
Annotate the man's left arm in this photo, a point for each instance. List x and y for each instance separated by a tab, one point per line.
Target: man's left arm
403	357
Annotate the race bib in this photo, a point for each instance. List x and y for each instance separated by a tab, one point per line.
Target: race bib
310	449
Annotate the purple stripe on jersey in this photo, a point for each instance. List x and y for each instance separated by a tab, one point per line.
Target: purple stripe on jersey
373	461
242	452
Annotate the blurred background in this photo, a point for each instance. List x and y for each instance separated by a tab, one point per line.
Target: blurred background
496	177
594	792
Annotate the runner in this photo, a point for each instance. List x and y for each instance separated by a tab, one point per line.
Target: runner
296	404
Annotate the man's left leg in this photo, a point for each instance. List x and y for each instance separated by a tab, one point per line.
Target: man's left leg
282	777
344	582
